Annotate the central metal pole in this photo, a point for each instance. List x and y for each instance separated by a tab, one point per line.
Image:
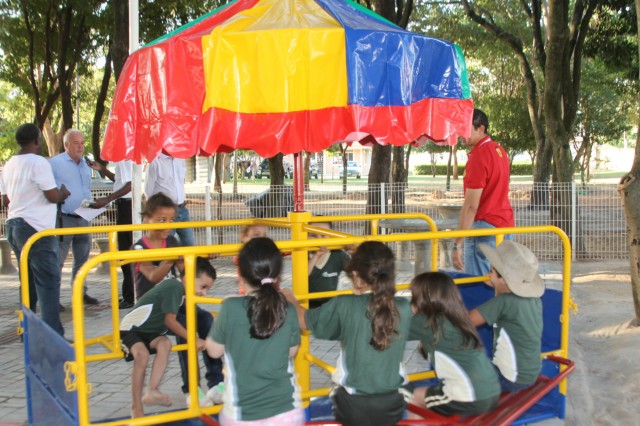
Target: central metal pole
298	182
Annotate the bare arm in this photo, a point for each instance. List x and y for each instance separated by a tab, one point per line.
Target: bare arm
467	214
293	351
155	273
103	170
57	195
214	349
101	202
313	260
172	324
476	318
300	311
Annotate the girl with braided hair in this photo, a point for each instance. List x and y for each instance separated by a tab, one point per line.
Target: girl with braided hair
372	325
258	334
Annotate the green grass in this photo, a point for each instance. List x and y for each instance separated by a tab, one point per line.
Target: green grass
599	177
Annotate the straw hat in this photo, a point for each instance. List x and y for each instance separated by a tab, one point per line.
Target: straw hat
518	266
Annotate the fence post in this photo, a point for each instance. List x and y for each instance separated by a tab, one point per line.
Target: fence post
207	212
574	219
383	203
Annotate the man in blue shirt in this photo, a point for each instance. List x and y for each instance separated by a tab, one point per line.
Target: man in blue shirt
71	170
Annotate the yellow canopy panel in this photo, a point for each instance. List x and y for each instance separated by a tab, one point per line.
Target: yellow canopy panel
278	56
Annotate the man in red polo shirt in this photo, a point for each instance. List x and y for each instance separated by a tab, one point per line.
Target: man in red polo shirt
486	196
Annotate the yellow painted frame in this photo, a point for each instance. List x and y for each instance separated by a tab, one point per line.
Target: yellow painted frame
299	246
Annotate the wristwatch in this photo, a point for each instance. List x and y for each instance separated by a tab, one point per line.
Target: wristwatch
454	247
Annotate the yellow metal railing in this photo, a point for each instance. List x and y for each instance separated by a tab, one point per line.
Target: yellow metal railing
299	246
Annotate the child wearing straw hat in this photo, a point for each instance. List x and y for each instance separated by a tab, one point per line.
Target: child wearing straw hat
515	313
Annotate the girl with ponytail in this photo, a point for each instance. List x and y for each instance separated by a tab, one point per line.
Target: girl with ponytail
259	335
372	326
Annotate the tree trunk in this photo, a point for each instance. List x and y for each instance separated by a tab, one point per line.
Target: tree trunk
227	168
307	164
277	199
587	164
44	88
556	133
218	172
99	112
53	138
434	161
541	175
276	170
64	75
629	189
448	183
343	151
406	162
399	180
456	172
397	12
381	158
120	35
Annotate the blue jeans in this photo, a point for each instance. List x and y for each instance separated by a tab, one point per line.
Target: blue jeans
475	262
44	271
185	235
213	366
80	245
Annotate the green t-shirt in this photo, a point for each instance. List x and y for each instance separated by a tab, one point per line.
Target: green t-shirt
259	375
326	278
361	369
466	373
517	335
148	313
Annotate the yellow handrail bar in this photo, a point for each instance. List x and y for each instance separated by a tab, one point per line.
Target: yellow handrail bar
298	223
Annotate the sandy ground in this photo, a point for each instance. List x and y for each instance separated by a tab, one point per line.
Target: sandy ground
605	388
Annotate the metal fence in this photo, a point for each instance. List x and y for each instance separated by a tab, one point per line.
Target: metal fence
591	215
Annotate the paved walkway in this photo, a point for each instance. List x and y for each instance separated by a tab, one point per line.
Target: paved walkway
111	379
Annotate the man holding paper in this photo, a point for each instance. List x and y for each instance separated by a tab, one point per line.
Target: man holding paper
71	170
121	196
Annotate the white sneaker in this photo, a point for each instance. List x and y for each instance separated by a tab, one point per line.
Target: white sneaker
214	395
202	397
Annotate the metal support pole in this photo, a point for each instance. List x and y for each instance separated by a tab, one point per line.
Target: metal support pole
298	182
136	169
383	204
574	219
208	215
300	280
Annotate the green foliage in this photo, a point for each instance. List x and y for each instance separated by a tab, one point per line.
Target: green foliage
160	17
15	109
494	73
441	170
509	122
613	39
520	169
607	104
95	19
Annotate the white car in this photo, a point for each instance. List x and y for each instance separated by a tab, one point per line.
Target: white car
353	169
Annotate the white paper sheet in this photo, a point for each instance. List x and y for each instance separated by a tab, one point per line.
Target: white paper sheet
88	213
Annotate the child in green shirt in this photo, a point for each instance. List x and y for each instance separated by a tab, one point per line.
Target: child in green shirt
468	384
325	267
372	325
515	313
259	335
143	332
